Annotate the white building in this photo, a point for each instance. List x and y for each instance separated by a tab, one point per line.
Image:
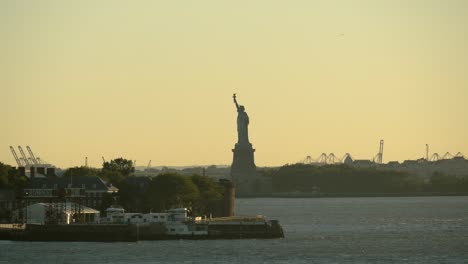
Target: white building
41	213
118	216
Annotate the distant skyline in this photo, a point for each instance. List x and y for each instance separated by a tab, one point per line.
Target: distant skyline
153	80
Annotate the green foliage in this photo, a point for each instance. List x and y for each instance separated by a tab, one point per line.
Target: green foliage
210	193
343	179
123	166
107	200
171	190
130	198
267	172
114	177
10	178
440	182
116	170
4	171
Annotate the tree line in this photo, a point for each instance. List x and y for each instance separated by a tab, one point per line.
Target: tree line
170	190
167	190
343	179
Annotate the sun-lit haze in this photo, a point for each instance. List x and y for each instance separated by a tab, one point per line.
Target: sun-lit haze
153	80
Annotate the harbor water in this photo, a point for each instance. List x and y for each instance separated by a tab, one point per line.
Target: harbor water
317	230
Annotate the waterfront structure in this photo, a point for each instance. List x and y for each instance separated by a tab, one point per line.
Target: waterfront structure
117	215
57	213
87	190
120	226
243	169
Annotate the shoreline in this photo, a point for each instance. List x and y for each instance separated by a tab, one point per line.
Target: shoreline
355	195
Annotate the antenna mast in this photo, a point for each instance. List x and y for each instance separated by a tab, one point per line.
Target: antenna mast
427	152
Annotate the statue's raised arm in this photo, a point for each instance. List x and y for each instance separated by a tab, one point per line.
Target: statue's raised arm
235	101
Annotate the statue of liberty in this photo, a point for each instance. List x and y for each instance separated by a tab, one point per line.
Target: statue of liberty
242	123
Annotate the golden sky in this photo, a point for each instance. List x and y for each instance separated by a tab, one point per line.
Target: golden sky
154	79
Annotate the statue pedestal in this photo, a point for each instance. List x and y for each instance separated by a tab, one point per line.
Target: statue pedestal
243	161
244	171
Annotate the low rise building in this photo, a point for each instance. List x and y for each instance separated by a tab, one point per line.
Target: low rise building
56	213
87	190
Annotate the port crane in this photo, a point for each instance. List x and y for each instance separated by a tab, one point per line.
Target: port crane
32	157
379	157
447	155
25	159
435	157
325	159
18	161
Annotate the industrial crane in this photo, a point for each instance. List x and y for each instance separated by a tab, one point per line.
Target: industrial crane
31	154
379	157
322	158
447	155
345	157
24	156
308	160
18	161
435	157
331	159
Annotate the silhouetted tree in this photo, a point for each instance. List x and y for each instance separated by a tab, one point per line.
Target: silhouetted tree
124	166
209	193
440	182
169	191
343	179
116	170
10	178
4	171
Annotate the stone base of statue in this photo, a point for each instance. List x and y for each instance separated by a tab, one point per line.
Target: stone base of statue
243	160
244	173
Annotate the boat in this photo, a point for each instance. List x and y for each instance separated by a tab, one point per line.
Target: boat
172	224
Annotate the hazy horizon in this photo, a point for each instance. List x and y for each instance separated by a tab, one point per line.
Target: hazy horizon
150	80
